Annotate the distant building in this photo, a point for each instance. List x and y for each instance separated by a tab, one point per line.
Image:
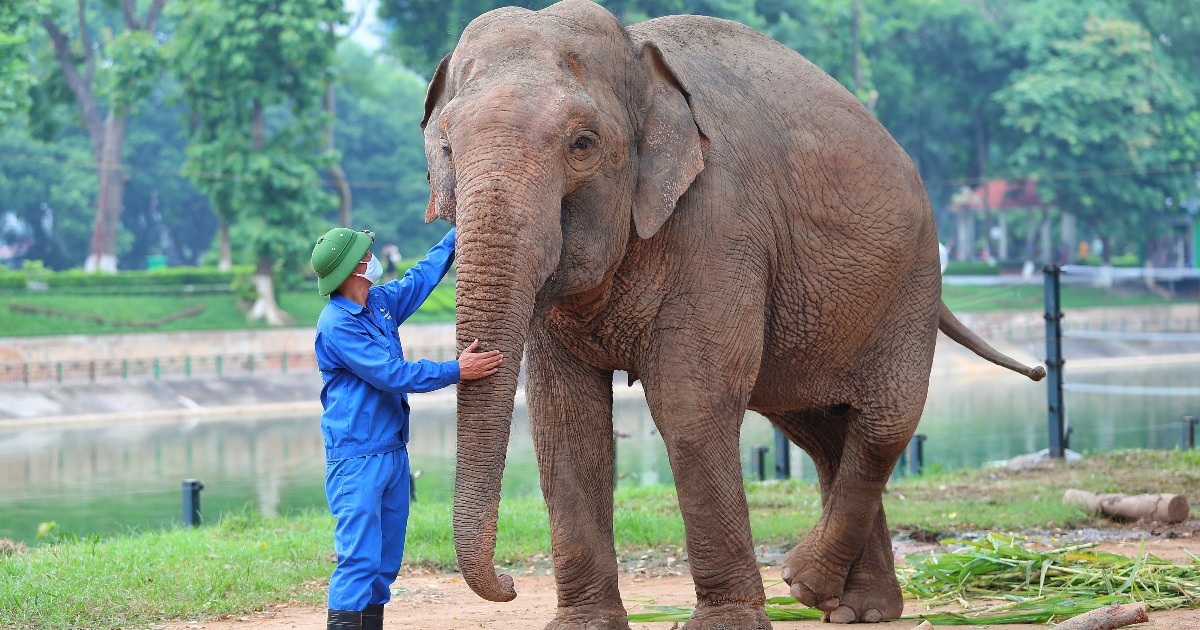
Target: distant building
987	210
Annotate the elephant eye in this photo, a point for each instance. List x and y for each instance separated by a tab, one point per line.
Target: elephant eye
582	142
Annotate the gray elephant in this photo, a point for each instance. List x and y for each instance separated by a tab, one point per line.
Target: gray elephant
693	203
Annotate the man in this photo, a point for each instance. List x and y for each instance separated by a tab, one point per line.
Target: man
365	419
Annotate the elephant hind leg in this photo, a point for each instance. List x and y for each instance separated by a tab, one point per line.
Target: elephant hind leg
844	565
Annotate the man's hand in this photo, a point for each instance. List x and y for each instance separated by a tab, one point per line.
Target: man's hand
473	365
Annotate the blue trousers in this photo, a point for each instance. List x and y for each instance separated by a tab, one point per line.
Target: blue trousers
369	498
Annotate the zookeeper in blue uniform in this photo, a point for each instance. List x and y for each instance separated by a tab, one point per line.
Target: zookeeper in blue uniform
365	419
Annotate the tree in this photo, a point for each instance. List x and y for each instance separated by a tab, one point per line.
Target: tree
254	74
16	22
380	106
1097	110
45	195
131	60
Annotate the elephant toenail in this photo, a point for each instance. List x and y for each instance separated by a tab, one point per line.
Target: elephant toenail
787	574
872	616
843	614
831	604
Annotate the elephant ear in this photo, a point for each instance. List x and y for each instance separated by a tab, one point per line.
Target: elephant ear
670	145
441	168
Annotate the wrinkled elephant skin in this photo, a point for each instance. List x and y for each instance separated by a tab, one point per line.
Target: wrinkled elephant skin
693	203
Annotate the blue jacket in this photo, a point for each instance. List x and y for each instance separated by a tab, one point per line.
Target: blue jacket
366	379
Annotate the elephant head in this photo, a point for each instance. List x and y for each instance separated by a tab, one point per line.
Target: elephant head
551	137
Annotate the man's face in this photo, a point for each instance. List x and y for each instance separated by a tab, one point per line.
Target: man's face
361	267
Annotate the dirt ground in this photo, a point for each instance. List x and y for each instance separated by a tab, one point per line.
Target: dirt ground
430	601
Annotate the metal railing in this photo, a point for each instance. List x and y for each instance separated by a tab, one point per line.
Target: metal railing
202	366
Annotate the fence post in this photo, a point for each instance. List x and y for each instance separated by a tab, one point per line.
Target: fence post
25	373
219	357
783	460
758	461
187	366
157	369
916	454
59	370
1054	361
191	501
92	371
283	362
1189	432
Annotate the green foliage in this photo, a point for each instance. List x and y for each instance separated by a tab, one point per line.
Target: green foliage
16	24
1094	106
253	76
136	61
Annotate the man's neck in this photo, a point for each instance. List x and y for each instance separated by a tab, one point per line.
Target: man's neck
355	289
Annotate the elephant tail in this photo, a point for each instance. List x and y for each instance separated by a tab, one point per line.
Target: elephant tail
954	329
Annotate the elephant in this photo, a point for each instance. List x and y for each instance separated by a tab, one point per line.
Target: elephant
694	204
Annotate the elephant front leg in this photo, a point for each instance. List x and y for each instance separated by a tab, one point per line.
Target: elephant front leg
701	426
570	417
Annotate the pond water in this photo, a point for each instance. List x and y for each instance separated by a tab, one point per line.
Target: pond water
100	480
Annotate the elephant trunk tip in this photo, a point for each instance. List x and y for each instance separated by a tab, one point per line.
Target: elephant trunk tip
500	589
1036	373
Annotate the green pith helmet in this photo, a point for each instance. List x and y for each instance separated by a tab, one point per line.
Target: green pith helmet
336	254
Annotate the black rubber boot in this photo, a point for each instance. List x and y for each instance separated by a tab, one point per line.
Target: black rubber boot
372	617
345	620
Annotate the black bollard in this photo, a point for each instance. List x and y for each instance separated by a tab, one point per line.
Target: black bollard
191	501
758	461
1189	432
916	454
783	459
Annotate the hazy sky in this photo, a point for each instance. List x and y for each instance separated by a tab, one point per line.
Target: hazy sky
368	34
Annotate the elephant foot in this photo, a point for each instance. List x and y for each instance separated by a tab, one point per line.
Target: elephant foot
872	592
728	617
814	582
589	619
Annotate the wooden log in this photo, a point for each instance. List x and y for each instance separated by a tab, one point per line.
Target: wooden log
1164	508
1115	616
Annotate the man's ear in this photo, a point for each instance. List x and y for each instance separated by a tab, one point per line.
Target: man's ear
671	147
441	168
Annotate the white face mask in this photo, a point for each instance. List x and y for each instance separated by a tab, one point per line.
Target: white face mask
374	271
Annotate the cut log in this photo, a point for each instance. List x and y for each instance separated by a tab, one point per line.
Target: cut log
1115	616
1164	508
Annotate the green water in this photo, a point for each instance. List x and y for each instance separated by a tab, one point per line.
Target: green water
101	480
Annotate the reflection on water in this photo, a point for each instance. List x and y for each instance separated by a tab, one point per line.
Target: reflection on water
118	478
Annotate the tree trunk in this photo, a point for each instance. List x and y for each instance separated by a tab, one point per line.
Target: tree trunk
225	260
335	169
111	175
265	307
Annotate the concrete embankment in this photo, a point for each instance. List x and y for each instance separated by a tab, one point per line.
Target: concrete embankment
108	399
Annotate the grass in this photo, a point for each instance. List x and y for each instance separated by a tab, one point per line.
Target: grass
247	562
77	314
968	298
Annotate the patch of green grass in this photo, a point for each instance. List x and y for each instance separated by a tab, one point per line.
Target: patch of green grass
135	313
246	562
967	298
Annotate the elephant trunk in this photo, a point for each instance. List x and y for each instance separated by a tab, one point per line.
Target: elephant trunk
501	265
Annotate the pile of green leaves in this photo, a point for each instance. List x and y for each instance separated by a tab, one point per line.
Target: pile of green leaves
999	579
